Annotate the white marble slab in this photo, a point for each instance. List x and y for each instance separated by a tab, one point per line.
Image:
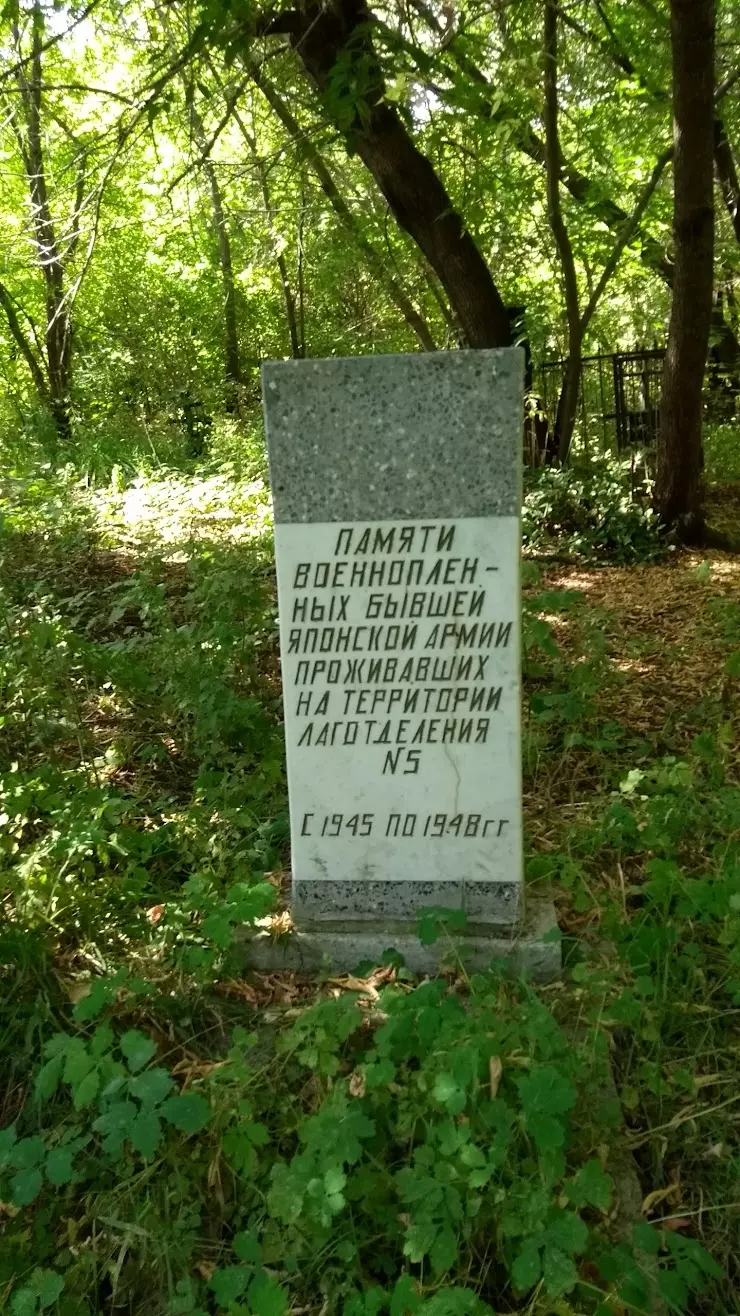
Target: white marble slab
400	659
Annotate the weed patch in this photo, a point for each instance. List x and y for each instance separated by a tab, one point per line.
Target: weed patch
177	1138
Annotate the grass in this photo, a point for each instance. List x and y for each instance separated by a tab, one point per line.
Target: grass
143	817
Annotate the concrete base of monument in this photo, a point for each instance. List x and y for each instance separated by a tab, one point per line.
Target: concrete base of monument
532	947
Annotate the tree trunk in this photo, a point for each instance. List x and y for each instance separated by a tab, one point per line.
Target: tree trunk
232	363
296	345
24	346
678	485
58	333
565	418
334	43
583	189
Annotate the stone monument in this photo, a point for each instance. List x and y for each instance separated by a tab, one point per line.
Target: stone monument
396	485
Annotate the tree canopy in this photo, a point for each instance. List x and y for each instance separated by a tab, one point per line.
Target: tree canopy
188	189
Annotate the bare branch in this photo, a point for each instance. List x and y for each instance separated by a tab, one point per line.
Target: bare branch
625	235
7	303
727	85
727	174
395	291
18	67
208	143
568	401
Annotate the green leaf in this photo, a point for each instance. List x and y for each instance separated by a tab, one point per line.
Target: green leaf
252	901
8	1139
732	665
472	1157
146	1133
527	1266
689	1255
559	1272
189	1112
567	1232
58	1168
25	1187
546	1090
548	1133
437	922
429	931
380	1073
419	1240
116	1123
448	1093
673	1289
239	1151
137	1048
444	1251
247	1248
151	1088
646	1238
219	930
266	1297
48	1077
102	1040
24	1303
405	1297
229	1283
78	1062
102	992
592	1186
48	1286
28	1153
86	1091
334	1180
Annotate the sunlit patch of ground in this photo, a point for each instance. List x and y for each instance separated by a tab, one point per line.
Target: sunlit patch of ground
170	513
662	624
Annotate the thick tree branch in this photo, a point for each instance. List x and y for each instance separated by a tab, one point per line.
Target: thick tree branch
393	288
724	161
335	46
27	352
526	140
568	400
207	143
624	237
21	63
232	363
678	482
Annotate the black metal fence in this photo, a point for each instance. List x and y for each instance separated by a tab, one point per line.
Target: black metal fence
619	401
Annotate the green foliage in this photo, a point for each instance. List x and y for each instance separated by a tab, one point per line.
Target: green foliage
721	452
100	660
451	1147
402	1125
590	511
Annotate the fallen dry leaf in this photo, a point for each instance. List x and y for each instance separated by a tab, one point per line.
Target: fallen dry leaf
357	1085
495	1070
671	1193
705	1080
237	987
351	984
190	1067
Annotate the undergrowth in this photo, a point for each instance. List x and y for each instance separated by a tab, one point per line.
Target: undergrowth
179	1138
